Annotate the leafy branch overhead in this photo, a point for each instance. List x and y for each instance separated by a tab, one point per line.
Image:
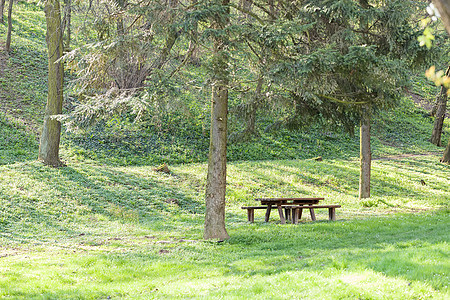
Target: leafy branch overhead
318	60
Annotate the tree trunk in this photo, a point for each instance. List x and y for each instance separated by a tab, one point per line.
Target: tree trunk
8	34
2	8
120	21
67	23
253	107
49	143
217	162
443	7
446	156
365	154
441	108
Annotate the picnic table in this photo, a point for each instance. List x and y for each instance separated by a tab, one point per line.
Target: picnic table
291	206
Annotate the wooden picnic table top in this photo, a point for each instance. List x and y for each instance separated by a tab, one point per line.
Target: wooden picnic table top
279	201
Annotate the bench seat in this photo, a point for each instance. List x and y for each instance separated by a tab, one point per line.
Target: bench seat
251	211
296	211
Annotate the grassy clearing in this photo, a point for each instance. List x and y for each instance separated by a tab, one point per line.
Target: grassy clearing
91	231
101	228
351	259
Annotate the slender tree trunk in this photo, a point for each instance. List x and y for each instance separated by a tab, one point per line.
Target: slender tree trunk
446	156
8	34
51	131
120	21
67	23
2	9
365	153
193	41
441	108
251	114
217	162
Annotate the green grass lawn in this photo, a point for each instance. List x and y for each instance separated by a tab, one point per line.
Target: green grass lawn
91	231
109	227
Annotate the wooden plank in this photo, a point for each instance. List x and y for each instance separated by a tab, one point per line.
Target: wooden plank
311	206
254	207
289	199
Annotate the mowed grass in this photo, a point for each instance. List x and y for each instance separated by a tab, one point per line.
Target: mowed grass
91	231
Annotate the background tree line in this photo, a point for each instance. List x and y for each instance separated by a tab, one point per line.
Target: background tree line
332	63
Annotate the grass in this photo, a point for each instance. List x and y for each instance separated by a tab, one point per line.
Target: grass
90	231
109	227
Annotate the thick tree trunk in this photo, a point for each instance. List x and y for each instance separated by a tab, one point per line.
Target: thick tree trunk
2	9
49	143
365	154
446	156
217	162
441	108
8	34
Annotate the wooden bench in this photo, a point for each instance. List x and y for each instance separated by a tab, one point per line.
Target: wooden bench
297	211
251	212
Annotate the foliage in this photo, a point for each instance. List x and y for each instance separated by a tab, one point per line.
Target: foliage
96	229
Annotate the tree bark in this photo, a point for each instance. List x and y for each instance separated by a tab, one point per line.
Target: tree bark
2	9
217	162
365	153
251	122
8	34
51	132
443	7
67	23
446	156
441	108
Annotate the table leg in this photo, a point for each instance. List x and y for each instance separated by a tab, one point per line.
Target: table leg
280	212
251	215
295	213
313	215
332	214
300	212
287	212
269	207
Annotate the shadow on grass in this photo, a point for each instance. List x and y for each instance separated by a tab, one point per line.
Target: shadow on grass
65	194
16	144
411	247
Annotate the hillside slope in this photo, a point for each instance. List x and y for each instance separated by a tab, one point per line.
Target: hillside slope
23	96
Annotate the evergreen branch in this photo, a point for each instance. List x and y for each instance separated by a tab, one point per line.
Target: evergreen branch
135	20
253	50
183	63
245	11
261	6
334	99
